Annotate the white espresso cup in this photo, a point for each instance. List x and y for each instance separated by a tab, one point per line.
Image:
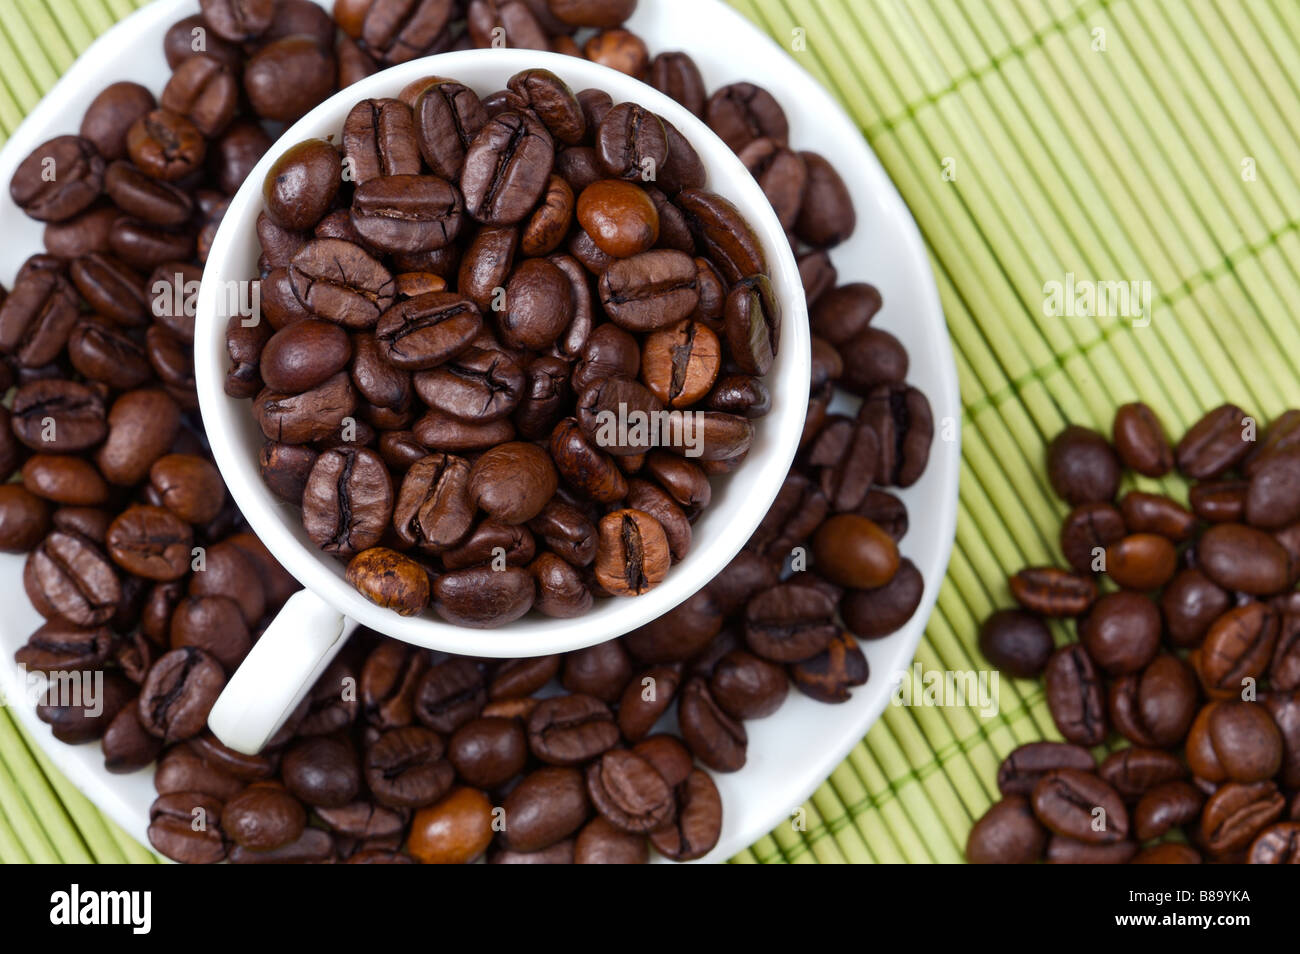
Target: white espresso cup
313	625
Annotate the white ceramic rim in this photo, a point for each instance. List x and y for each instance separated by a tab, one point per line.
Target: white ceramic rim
532	635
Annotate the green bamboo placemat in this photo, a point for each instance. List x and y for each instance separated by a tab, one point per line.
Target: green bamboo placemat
1112	140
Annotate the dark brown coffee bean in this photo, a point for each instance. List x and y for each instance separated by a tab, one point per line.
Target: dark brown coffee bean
714	737
1008	833
304	355
322	771
828	676
1075	696
1273	495
179	692
108	354
405	768
1080	805
1082	466
1049	591
69	575
571	730
186	827
145	197
37	317
1219	501
1121	632
1239	557
341	282
1016	642
723	235
1141	561
902	420
287	77
1135	770
1189	604
1276	845
1215	444
648	291
1237	647
875	613
407	213
424	331
263	816
151	542
1153	513
826	216
348	500
506	168
448	117
1021	771
114	110
1154	707
1141	442
1236	813
547	806
24	519
165	145
483	597
300	187
488	752
204	90
629	792
58	179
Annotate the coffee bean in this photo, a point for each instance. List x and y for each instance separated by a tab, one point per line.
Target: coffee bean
1237	647
1153	513
723	234
1075	696
448	117
1141	561
826	215
852	551
348	501
488	752
77	180
389	579
829	675
1136	770
1016	642
482	597
1121	632
903	423
1082	467
322	771
179	692
263	816
1239	557
405	768
629	793
547	806
1215	444
714	737
406	213
1154	707
287	77
1008	833
1236	813
1021	771
571	730
1272	498
632	554
506	168
1276	845
1066	801
1140	441
1052	592
173	830
151	542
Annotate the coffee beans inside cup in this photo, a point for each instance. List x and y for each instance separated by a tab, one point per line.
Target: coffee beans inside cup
1186	618
464	337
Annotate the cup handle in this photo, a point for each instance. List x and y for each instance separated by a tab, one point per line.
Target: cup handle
278	672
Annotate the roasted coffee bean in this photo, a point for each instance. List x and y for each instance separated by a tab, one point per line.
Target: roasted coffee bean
77	182
1008	833
173	832
629	792
1082	467
1273	495
875	613
1215	444
165	145
391	580
1154	707
848	455
852	551
828	676
179	692
1165	807
455	830
1235	741
348	500
1239	557
902	420
304	355
114	110
826	215
287	77
74	719
571	730
263	816
1189	604
1276	845
1219	501
205	91
482	597
301	185
600	671
506	168
790	622
407	213
488	752
448	117
341	282
632	554
189	486
1081	806
69	575
405	768
433	510
1140	441
714	737
1014	641
71	481
1152	513
61	646
142	425
1141	561
380	140
723	234
1136	770
322	771
1237	647
213	624
1021	771
1075	696
547	806
24	519
1049	591
151	542
1121	632
37	317
651	290
59	417
424	331
1236	813
108	354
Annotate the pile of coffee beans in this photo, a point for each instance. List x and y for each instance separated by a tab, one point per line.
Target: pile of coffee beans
472	350
1188	623
148	581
